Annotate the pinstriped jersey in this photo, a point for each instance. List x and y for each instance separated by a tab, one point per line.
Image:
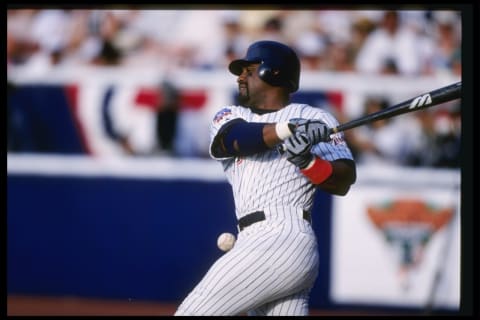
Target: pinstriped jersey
268	179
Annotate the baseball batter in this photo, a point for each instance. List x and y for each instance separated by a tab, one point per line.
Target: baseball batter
274	263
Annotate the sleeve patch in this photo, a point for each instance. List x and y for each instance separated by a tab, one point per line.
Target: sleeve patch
222	114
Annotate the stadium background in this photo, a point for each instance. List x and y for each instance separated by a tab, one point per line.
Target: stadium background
88	222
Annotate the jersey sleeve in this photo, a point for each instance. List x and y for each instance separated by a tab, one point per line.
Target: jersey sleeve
219	122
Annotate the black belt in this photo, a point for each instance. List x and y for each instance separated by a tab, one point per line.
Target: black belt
258	216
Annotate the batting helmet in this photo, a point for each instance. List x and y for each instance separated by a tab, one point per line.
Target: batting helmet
279	64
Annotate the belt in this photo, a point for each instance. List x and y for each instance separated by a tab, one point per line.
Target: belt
258	216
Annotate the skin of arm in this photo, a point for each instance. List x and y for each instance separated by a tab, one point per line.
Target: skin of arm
343	176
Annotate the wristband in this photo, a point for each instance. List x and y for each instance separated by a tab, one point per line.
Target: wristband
282	129
318	170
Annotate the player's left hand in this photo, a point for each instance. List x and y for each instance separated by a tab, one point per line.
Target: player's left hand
316	130
298	150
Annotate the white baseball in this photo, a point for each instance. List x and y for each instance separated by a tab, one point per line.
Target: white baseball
225	241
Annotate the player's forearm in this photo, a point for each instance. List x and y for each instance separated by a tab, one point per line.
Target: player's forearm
270	135
244	139
342	177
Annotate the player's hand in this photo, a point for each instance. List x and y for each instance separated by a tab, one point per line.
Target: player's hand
316	130
298	148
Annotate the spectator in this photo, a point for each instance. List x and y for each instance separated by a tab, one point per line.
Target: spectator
273	29
20	45
45	38
340	57
360	30
446	54
236	40
311	48
109	55
108	30
166	118
440	139
392	48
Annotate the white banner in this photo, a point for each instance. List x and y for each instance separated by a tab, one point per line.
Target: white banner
396	239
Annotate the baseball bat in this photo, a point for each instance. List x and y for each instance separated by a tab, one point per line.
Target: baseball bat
423	101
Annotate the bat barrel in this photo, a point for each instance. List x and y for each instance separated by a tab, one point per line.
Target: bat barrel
430	99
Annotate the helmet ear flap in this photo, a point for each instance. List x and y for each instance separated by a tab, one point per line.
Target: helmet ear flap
269	75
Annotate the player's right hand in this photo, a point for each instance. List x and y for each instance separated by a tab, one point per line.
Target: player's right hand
298	148
316	130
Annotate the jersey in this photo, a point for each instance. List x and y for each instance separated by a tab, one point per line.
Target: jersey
274	263
268	179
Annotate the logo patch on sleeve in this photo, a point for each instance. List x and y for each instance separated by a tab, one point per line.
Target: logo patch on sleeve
222	114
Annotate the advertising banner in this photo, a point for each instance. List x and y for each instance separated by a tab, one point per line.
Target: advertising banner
396	239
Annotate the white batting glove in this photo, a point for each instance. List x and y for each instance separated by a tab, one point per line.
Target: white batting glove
316	130
298	148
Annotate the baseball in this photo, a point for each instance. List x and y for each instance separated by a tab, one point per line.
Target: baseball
225	241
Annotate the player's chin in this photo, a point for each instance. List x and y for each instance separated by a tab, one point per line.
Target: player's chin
243	98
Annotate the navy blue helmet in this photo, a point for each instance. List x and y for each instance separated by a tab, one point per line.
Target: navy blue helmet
279	64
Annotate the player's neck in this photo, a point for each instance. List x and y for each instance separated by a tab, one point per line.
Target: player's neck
262	111
273	103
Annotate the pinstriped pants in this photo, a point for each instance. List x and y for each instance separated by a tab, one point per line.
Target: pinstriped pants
269	271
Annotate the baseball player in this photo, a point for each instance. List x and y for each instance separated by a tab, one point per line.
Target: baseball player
274	263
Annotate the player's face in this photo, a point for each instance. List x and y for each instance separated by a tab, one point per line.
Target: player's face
250	86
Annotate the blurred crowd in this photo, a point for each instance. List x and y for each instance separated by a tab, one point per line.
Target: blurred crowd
430	138
405	43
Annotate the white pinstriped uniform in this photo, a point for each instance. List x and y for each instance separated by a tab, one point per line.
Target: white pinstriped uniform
274	263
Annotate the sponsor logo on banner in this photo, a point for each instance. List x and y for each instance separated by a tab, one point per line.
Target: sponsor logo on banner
408	225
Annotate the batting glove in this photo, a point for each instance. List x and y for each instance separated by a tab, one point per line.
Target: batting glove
316	130
298	148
